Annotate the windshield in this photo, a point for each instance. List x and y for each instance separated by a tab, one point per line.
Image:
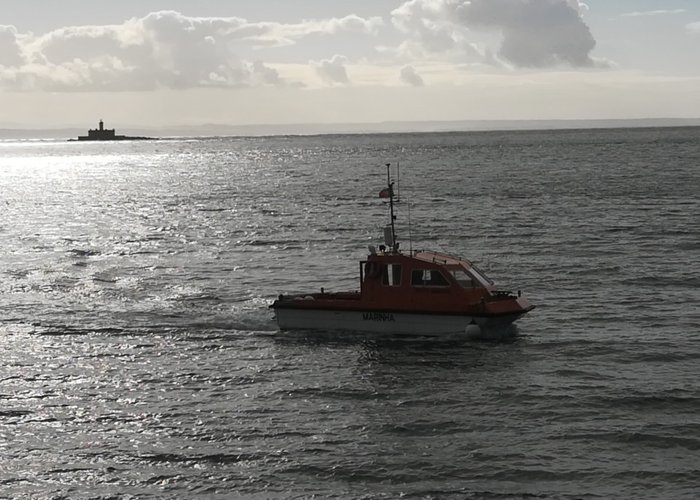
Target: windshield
464	280
480	276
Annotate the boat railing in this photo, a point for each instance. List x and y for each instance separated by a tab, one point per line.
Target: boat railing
505	294
441	258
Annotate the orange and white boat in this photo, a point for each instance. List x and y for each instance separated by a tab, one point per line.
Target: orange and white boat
421	293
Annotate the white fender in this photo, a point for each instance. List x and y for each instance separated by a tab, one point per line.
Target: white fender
473	330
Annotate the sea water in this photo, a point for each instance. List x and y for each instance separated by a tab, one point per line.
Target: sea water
140	359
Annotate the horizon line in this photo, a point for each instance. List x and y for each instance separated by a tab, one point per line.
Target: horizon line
389	126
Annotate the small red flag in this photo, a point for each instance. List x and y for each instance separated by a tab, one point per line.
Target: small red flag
385	193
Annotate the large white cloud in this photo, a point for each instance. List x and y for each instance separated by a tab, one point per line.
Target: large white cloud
535	33
163	49
167	49
430	21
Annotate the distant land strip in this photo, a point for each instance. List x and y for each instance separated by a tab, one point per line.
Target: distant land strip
213	130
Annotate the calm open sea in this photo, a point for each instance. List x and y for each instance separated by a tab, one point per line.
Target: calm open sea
140	359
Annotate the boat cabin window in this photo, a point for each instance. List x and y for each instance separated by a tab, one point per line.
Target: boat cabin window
428	277
464	279
480	276
391	275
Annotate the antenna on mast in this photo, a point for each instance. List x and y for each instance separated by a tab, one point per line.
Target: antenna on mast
390	188
398	180
410	236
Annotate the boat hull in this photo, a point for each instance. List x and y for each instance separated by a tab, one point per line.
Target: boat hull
394	322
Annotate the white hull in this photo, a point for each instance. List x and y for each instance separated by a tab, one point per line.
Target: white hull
391	322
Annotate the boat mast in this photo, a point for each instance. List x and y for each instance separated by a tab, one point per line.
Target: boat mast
398	180
394	244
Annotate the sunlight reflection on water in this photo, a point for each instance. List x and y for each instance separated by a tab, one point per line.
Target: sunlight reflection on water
140	357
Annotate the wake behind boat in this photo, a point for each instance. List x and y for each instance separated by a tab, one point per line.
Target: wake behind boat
421	293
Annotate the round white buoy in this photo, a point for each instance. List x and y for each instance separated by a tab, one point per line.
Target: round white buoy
473	330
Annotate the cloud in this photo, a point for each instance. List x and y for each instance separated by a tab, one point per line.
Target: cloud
429	21
10	52
654	13
693	27
410	77
163	49
274	34
535	33
350	23
333	70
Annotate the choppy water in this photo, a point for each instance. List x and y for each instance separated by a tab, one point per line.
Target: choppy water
139	358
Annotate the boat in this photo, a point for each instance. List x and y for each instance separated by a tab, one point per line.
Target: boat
421	292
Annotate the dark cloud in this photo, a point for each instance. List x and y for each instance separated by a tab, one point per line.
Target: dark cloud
333	70
535	33
410	77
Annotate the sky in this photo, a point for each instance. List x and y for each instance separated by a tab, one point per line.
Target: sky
155	63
